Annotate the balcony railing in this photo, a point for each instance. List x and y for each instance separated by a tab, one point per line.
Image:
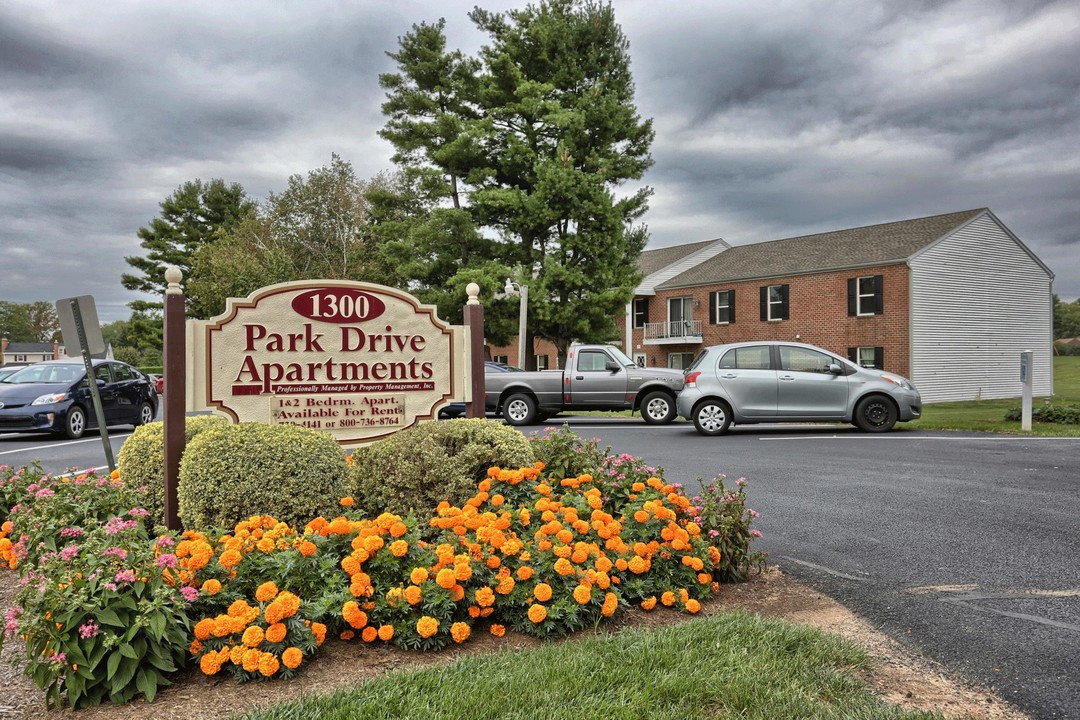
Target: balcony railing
674	332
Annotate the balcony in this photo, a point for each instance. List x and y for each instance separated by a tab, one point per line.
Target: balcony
678	332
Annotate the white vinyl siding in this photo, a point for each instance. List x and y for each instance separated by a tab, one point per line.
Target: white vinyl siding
978	299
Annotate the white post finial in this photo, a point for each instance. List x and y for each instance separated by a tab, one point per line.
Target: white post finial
173	276
473	291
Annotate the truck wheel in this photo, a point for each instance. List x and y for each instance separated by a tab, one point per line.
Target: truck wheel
519	410
658	408
875	414
712	417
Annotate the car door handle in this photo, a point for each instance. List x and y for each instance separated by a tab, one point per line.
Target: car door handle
786	377
579	377
729	376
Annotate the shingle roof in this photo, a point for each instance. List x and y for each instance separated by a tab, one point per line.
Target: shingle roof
652	260
29	347
855	247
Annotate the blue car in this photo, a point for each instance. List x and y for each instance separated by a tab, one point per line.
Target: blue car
54	397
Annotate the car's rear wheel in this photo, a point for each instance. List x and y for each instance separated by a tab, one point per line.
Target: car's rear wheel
712	417
876	413
520	409
658	408
75	424
146	414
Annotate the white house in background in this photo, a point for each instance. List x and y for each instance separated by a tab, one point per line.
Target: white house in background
27	353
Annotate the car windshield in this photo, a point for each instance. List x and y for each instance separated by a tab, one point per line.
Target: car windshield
621	356
46	374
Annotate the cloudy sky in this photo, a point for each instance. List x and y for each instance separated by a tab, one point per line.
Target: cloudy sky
772	119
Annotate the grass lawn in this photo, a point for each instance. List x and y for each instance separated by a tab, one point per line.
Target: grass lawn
733	665
989	415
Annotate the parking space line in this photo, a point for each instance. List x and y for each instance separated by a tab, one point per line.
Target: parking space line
36	448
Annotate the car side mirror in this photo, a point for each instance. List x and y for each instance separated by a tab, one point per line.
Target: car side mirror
836	369
100	382
611	366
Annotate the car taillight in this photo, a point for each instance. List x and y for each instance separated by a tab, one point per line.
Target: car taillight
691	379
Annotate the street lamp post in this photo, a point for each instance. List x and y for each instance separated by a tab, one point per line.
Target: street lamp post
513	288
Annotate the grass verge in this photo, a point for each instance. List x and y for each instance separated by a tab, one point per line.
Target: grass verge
733	665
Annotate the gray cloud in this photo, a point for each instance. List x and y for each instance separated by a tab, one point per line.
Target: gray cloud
772	119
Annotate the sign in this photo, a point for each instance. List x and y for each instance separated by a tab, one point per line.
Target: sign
357	360
95	343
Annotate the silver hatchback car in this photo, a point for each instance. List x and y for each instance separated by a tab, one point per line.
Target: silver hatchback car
769	382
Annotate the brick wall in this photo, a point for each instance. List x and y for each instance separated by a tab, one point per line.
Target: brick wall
817	315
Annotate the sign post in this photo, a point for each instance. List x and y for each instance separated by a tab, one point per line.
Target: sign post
1026	384
87	335
173	415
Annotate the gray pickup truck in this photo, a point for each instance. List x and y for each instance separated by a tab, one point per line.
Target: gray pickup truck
597	377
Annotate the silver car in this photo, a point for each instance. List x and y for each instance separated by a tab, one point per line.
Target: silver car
762	382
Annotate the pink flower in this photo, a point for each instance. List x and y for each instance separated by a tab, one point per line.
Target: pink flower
168	560
138	512
190	594
165	541
125	576
755	533
89	630
71	532
69	552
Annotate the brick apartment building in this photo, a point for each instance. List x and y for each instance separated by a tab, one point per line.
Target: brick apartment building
949	301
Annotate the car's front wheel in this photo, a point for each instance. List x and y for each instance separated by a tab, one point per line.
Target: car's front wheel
712	417
75	424
658	408
875	414
520	409
146	414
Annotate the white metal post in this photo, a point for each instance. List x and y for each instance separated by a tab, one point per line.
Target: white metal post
522	316
1026	383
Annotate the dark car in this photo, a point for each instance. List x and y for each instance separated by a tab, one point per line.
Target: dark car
53	396
457	409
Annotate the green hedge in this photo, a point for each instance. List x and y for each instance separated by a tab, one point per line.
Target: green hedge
411	472
232	472
141	460
1048	413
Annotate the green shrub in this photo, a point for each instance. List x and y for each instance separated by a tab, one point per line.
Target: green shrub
411	472
566	454
1048	413
232	472
141	461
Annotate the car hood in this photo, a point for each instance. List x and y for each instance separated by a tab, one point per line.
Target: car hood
23	393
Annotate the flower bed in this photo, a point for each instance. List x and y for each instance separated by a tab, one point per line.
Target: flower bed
107	611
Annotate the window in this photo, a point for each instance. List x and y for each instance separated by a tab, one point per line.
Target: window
592	361
864	295
747	358
774	302
122	373
679	361
504	359
722	307
639	359
20	358
641	312
541	362
868	357
799	359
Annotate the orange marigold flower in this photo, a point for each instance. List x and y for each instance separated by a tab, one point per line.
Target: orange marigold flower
497	630
460	631
209	664
493	561
457	593
542	592
204	628
637	565
386	633
668	598
506	585
462	571
230	559
648	603
427	626
292	657
211	586
369	634
564	567
265	592
611	604
268	664
445	578
484	597
621	564
537	613
474	611
399	548
250	659
307	548
692	606
276	632
347	635
524	572
418	576
195	647
413	595
398	528
704	578
641	516
347	501
319	631
253	636
582	594
236	655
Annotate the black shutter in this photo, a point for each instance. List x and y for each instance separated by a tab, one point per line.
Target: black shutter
879	358
712	308
731	305
764	303
852	300
879	299
784	302
853	355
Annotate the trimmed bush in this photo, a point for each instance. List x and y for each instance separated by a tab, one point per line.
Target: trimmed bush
1048	413
413	471
232	472
141	461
